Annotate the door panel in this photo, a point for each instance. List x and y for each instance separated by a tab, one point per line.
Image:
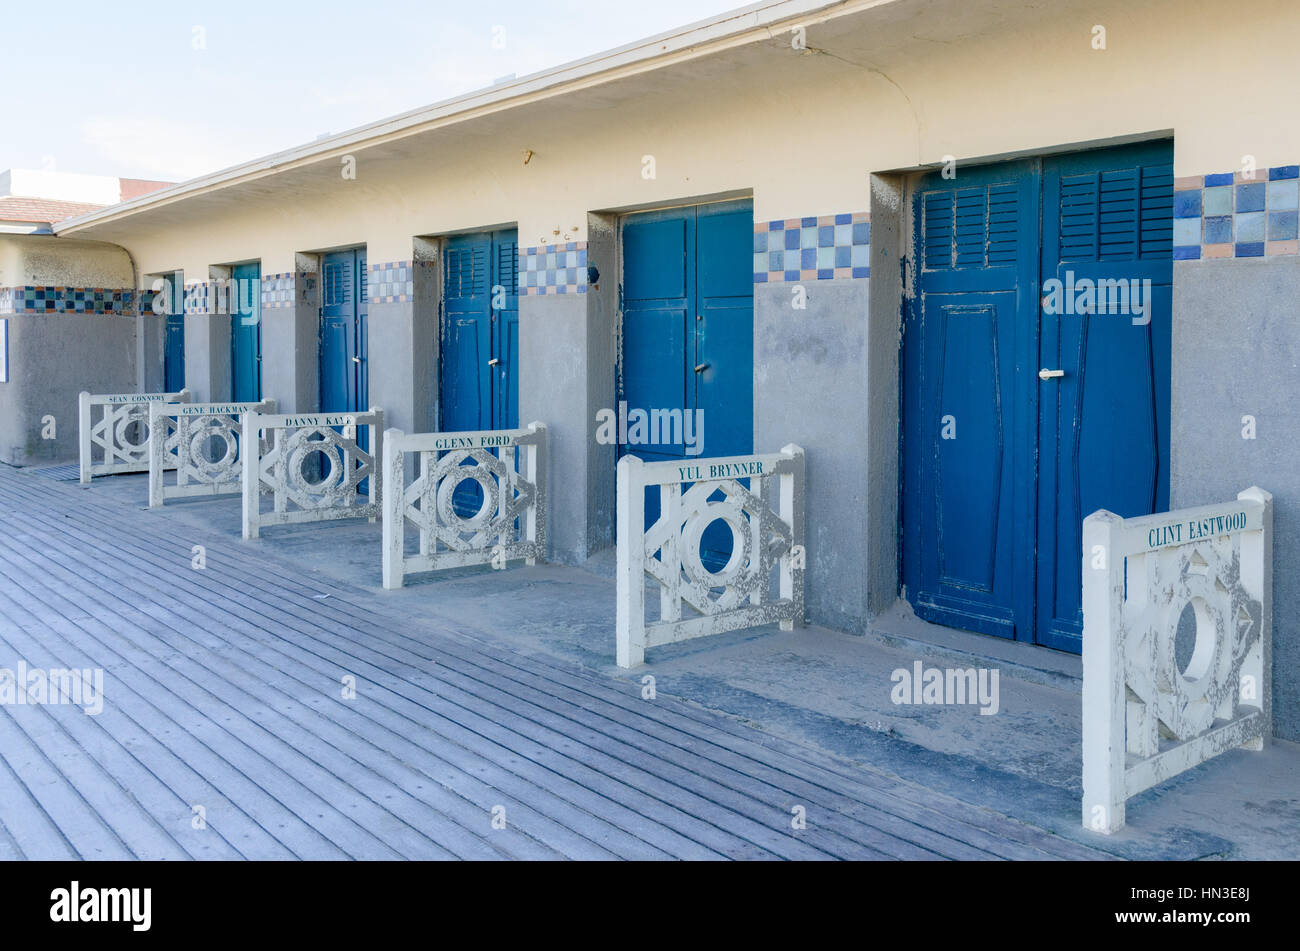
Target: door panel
1104	431
246	333
480	341
968	408
688	337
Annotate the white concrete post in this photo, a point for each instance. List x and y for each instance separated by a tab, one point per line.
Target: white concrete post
375	489
252	453
1103	676
394	509
1257	579
157	448
790	508
83	435
630	618
534	466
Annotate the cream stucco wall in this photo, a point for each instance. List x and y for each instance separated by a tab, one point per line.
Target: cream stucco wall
800	131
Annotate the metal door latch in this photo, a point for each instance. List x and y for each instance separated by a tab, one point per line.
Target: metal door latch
494	361
356	359
1046	374
701	368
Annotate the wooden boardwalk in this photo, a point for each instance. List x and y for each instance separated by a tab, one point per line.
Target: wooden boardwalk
223	689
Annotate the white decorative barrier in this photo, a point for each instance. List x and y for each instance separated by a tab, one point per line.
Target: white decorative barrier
287	445
509	466
1144	719
122	416
182	435
766	522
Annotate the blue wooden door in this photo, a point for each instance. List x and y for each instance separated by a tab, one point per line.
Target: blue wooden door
1104	437
480	332
688	336
174	336
969	337
246	333
1001	463
480	340
344	367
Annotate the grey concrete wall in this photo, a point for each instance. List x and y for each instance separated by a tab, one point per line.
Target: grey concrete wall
150	338
291	346
888	239
603	332
403	341
51	360
810	376
553	388
1236	352
207	356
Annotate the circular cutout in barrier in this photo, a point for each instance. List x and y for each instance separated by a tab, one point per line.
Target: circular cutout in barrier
487	509
132	430
693	535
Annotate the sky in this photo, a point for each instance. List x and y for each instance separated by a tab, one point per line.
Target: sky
171	90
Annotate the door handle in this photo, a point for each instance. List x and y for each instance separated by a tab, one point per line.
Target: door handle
493	362
356	359
701	368
1045	374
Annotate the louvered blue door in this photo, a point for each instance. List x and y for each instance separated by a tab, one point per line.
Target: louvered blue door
969	413
1001	464
480	332
480	340
344	368
246	333
1104	440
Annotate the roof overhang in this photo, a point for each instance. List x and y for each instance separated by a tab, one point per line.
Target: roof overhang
754	23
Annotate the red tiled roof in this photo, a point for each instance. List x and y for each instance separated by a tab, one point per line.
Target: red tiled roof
42	210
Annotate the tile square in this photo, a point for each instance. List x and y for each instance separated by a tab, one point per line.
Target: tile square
1282	226
825	257
808	237
1283	172
843	235
825	236
843	255
1216	201
1187	204
1216	251
1187	231
1273	248
861	233
791	239
807	259
1218	230
1249	227
1250	249
1250	197
1283	195
1222	178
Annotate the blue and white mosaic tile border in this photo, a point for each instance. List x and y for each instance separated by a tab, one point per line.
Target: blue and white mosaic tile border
277	291
97	301
553	269
198	297
1231	216
813	249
